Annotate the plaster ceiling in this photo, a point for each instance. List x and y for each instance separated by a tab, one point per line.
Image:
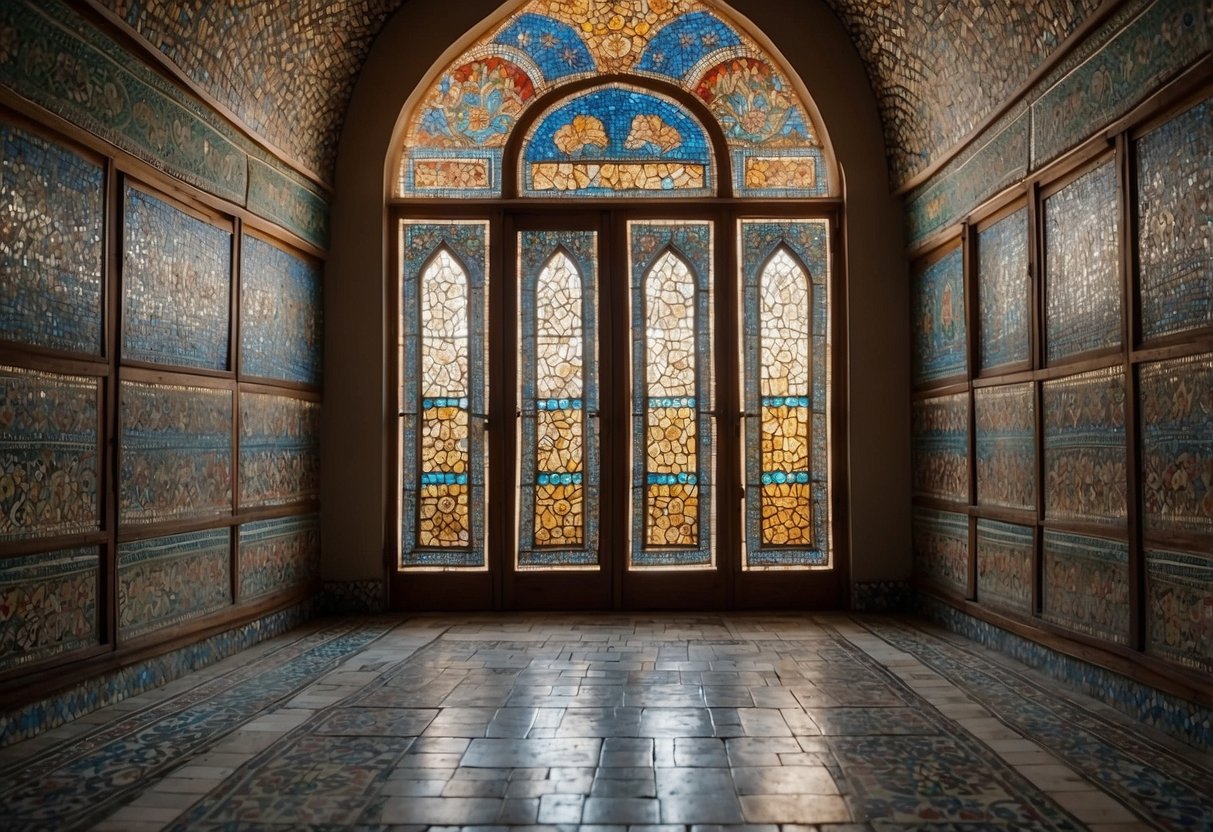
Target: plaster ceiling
938	67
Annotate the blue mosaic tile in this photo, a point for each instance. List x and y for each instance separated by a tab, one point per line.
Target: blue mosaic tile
281	314
176	286
1004	291
1006	445
1085	586
51	225
937	310
1084	447
940	437
1175	224
1004	565
1179	607
941	548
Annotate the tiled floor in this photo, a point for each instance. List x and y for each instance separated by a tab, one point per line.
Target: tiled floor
662	722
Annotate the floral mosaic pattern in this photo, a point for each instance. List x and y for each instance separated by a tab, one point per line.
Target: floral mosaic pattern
941	548
48	454
785	275
48	605
176	281
560	471
937	307
1004	291
279	554
176	453
1168	36
608	145
279	450
617	140
940	430
1179	608
1175	223
444	394
1084	447
1082	272
1004	565
281	314
671	287
50	244
1177	445
168	580
1006	446
1086	585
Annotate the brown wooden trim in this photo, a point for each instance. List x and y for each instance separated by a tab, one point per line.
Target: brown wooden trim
1117	532
1022	94
1007	378
1180	345
269	234
143	373
921	500
1077	365
1002	514
202	374
142	50
839	416
130	532
31	683
38	545
184	202
283	390
1148	670
22	357
393	284
677	206
940	389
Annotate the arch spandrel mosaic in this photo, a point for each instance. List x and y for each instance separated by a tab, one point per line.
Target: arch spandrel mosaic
456	136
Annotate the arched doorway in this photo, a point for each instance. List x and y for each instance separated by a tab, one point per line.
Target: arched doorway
617	377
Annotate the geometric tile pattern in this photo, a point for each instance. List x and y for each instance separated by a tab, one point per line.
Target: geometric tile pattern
278	554
279	450
629	720
281	313
169	580
48	604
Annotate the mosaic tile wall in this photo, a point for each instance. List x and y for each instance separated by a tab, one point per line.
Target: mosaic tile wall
1176	401
176	286
55	58
941	548
50	244
1082	263
279	450
1184	720
937	319
1179	607
48	605
940	429
279	554
49	452
281	314
1175	221
176	453
1004	565
1004	291
169	580
1086	585
1084	447
1006	446
1143	44
105	689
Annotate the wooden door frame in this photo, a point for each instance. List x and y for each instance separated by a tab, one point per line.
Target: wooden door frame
725	586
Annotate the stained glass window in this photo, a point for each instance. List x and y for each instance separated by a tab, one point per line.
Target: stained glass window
559	399
673	430
444	394
620	141
784	293
455	138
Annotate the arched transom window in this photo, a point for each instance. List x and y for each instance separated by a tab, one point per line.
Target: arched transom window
614	366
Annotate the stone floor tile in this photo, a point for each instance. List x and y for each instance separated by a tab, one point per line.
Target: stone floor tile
715	808
786	808
784	780
621	810
441	810
560	808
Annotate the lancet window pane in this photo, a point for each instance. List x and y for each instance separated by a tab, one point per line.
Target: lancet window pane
785	388
558	516
673	430
443	392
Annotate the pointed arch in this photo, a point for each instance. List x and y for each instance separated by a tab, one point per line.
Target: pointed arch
476	101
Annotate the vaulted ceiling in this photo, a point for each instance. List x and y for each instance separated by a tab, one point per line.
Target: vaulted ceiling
286	70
